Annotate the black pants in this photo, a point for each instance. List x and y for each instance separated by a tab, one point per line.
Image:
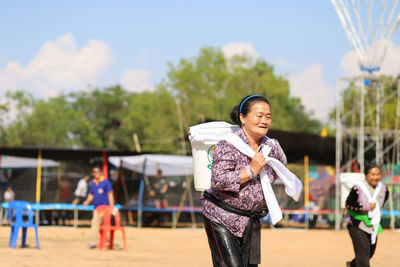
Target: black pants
363	248
226	249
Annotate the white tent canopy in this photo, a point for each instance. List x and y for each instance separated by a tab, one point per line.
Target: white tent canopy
20	162
170	165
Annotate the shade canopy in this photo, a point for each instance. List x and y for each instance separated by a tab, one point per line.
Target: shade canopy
12	162
170	165
57	153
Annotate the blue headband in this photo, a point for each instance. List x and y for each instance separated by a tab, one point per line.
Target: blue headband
247	98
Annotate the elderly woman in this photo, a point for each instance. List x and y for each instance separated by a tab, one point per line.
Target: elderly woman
234	204
365	198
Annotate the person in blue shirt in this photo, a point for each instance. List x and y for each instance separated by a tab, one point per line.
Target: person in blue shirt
101	193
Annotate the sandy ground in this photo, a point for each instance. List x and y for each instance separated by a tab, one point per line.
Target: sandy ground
66	246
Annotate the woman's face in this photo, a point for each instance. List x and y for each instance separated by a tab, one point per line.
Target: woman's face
256	123
374	176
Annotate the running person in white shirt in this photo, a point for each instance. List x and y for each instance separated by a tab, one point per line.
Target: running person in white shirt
81	190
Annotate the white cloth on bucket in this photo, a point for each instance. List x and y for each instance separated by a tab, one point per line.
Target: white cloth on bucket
374	214
292	184
201	132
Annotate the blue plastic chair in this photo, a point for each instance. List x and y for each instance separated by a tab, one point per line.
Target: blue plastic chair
17	210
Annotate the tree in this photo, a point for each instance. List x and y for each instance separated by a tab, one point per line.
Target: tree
210	85
153	116
206	87
104	111
83	119
41	122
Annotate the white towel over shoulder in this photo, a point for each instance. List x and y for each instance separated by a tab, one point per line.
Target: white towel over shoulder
374	214
293	185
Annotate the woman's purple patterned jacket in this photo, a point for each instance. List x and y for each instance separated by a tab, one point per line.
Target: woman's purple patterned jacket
228	161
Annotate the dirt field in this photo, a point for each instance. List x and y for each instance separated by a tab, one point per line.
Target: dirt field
66	246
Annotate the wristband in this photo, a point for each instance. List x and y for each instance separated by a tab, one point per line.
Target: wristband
249	172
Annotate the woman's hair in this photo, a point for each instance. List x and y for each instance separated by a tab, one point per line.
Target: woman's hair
245	106
368	166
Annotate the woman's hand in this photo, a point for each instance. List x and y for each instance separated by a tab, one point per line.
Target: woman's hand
372	205
257	163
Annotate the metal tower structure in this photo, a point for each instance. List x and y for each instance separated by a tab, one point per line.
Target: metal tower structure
363	128
369	26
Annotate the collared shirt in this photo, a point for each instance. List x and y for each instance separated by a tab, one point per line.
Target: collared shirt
99	190
228	162
81	188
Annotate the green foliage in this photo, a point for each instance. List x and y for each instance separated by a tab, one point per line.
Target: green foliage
209	86
153	117
351	104
103	112
206	87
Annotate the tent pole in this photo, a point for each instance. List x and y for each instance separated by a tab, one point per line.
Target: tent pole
188	191
306	191
57	195
105	164
118	183
183	199
38	184
392	218
140	200
189	180
338	154
125	189
1	208
192	215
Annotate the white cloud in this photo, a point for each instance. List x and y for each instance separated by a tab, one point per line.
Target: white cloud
314	93
391	62
136	80
285	64
242	49
58	66
390	66
239	49
349	64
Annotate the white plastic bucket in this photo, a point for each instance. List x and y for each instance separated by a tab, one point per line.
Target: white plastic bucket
203	146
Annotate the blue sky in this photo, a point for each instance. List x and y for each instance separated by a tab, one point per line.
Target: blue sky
48	47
